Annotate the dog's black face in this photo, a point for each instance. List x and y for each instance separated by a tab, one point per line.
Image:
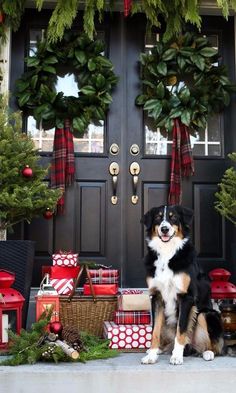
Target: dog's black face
167	222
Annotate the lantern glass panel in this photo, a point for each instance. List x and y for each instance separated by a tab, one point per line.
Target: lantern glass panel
12	319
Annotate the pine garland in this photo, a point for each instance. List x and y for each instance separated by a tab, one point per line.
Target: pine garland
30	347
174	13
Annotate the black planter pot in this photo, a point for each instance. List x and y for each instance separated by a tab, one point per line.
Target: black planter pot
17	256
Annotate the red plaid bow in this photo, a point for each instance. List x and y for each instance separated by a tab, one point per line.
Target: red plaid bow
181	161
63	161
127	7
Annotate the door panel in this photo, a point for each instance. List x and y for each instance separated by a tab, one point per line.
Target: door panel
109	233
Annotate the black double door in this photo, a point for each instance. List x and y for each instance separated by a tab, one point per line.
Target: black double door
117	184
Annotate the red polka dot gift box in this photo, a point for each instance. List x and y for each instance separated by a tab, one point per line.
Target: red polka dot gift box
64	259
128	337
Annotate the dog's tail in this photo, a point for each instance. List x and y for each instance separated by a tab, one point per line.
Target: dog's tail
215	331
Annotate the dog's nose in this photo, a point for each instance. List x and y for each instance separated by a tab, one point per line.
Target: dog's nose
164	230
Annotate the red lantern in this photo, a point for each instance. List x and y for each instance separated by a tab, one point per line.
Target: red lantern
11	304
221	288
224	294
47	300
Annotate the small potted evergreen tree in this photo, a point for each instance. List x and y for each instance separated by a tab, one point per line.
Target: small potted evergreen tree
226	196
24	194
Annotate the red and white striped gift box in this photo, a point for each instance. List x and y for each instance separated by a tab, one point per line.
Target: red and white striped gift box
63	286
64	259
104	276
128	337
132	317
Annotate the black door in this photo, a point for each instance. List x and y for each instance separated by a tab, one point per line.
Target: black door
122	169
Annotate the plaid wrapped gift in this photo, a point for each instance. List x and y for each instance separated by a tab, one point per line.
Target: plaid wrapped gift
63	258
104	276
63	286
132	317
128	337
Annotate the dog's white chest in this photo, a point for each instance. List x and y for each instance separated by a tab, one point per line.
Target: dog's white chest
165	282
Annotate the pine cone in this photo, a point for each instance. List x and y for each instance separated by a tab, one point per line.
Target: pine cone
71	335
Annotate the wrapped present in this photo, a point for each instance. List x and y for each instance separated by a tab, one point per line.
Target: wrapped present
63	258
132	317
134	300
63	286
60	272
128	337
101	289
104	276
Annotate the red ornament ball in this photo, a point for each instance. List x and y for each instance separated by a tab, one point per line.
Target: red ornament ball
27	171
55	327
48	214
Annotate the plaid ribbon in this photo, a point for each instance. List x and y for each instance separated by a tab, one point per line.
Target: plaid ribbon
127	7
63	161
181	161
104	280
132	317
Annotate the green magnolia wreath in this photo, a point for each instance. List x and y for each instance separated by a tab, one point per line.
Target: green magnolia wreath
182	79
36	89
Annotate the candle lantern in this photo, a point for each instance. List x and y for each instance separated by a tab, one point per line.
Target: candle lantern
224	294
11	304
47	300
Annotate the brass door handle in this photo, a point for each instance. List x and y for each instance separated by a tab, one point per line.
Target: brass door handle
134	170
114	170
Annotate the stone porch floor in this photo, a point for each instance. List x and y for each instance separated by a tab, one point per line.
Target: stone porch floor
123	374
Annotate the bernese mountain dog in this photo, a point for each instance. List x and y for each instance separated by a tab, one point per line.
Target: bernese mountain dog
183	317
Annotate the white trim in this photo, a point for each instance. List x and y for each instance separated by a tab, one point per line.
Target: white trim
5	56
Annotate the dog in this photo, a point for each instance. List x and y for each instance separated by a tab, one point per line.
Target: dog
183	317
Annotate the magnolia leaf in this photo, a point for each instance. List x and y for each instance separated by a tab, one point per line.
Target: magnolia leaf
91	65
151	104
175	112
50	69
198	61
162	68
160	91
184	95
141	99
181	62
185	117
100	81
88	90
208	52
156	111
78	124
169	54
51	60
80	56
24	98
32	61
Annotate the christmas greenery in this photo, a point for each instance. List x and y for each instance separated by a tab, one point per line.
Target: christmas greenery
21	198
36	89
31	346
226	196
183	78
173	13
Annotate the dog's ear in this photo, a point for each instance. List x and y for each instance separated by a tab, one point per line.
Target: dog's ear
186	215
147	219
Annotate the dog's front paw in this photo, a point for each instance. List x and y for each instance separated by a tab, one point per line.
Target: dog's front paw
176	359
208	355
151	357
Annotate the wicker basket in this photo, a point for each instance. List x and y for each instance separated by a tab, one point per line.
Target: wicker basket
86	313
